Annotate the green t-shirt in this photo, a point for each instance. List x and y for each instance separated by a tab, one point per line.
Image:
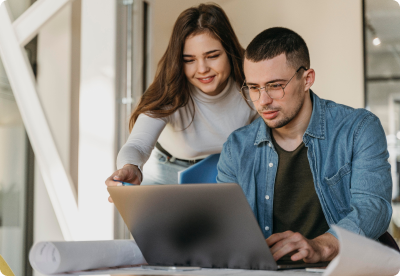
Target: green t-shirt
296	204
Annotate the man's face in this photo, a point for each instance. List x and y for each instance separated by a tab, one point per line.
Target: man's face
276	113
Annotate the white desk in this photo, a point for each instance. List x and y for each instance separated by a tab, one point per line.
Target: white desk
203	272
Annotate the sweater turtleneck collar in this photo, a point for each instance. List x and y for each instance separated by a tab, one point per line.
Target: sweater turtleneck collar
205	98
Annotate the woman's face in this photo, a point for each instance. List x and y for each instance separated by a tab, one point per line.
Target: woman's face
206	64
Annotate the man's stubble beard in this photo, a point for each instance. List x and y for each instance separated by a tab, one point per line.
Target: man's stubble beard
285	120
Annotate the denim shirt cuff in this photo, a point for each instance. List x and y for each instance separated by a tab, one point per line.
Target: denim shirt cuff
349	226
331	231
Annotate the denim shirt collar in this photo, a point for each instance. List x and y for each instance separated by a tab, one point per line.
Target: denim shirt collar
316	126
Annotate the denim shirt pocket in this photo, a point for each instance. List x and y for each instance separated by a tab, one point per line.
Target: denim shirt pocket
339	188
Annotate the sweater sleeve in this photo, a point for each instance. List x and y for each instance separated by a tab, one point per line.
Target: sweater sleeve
141	141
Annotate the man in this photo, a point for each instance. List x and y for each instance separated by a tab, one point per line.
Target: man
307	163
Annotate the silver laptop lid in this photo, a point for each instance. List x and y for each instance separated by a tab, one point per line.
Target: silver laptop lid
205	225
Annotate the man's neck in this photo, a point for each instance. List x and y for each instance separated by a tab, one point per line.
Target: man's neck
290	136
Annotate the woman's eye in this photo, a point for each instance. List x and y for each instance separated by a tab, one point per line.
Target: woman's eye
215	56
188	60
253	88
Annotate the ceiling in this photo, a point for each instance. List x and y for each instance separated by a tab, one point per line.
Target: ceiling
384	16
383	61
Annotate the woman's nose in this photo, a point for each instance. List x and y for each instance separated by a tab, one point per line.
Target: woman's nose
202	67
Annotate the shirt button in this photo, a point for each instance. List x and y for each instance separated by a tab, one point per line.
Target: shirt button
269	144
267	197
266	228
270	165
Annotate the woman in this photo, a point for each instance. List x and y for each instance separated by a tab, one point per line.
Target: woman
193	104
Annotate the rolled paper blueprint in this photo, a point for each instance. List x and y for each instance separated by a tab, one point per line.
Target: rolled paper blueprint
60	257
360	256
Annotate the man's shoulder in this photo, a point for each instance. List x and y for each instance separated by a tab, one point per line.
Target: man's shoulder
336	112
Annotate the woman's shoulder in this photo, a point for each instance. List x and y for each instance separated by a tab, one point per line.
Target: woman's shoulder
150	116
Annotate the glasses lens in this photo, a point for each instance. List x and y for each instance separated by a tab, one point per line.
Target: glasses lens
250	95
275	91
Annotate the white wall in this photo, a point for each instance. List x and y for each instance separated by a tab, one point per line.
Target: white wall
97	117
54	75
331	29
96	121
54	92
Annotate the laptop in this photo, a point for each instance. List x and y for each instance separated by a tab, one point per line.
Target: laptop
197	225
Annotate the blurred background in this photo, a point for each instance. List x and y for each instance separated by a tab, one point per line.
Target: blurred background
92	61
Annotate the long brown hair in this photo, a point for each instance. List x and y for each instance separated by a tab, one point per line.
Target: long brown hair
170	90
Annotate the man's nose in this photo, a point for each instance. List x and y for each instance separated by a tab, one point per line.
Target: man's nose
265	99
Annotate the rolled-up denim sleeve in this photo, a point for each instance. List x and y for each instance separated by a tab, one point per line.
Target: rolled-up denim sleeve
226	167
371	182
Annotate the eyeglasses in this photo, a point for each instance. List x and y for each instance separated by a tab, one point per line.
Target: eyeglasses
274	90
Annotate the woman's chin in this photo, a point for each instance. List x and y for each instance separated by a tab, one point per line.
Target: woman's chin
208	89
212	90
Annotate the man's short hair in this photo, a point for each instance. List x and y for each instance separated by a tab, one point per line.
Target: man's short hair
275	41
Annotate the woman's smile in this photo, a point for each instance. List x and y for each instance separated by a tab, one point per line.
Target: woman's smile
206	64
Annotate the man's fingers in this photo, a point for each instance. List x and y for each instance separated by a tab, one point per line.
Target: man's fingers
300	248
274	238
284	250
302	254
286	238
271	240
292	244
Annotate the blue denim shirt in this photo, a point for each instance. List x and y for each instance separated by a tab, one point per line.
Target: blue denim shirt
347	153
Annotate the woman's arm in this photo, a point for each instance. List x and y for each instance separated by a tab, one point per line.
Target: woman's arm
136	151
141	141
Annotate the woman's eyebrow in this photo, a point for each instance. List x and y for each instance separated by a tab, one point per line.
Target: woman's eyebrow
210	52
206	53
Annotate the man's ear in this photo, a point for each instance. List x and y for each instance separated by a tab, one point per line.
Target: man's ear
309	79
